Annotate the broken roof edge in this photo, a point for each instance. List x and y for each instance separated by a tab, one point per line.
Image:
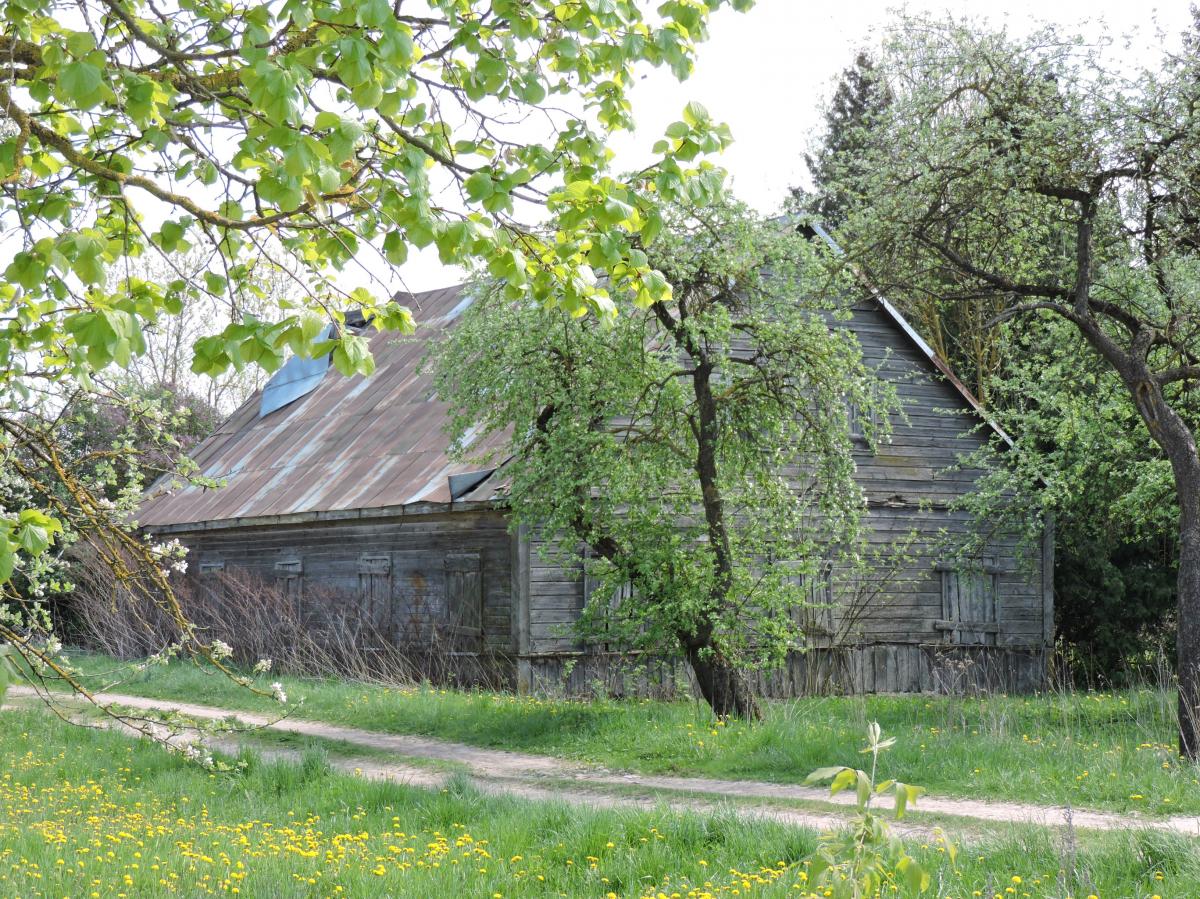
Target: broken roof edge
898	319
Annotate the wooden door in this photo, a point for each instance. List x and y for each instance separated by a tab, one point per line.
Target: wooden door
375	596
464	599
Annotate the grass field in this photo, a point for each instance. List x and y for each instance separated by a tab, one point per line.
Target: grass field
87	813
1100	750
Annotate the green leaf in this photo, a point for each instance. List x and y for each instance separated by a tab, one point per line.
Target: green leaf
905	793
863	787
913	874
80	43
354	64
694	113
33	539
7	559
326	120
367	95
479	186
395	248
845	778
352	356
80	83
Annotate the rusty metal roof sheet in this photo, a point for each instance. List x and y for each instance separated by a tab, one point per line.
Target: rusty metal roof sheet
367	443
353	443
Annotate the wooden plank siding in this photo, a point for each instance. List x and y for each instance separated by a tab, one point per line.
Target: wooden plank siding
445	575
900	643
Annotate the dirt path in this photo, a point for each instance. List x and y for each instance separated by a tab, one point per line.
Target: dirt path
544	777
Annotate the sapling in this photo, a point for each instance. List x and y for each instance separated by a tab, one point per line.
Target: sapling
860	860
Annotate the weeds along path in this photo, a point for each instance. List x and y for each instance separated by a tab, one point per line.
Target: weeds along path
544	777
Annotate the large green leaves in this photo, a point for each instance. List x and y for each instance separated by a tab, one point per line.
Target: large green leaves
32	532
307	139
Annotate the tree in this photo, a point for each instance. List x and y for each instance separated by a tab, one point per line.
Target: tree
695	453
315	135
1083	451
957	332
1027	170
861	96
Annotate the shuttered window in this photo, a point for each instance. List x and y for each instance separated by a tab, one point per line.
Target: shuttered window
860	423
464	594
375	592
624	594
969	603
212	566
813	614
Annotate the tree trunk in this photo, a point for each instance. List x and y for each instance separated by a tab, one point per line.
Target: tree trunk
1172	433
723	686
1187	645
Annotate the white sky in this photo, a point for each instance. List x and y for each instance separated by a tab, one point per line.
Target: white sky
768	72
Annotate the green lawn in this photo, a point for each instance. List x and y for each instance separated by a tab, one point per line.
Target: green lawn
87	813
1101	750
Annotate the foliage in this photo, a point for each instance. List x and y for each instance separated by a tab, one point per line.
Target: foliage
695	453
957	331
302	137
861	96
868	857
129	437
1026	172
1085	453
319	130
167	361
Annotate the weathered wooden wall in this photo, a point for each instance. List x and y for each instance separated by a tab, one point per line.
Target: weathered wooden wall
919	625
415	578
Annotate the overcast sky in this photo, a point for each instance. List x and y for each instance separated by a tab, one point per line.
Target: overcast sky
768	72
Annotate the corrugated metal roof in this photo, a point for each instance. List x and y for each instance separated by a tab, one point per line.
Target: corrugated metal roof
353	443
365	443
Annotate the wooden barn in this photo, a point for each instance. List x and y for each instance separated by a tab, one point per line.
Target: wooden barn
339	492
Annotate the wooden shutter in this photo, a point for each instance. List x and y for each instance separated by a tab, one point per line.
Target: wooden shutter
289	578
464	594
814	612
607	640
969	604
859	422
375	593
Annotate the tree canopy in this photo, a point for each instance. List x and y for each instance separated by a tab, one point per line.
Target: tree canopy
695	454
1030	173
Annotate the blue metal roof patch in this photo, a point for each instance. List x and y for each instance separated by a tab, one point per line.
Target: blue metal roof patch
297	378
